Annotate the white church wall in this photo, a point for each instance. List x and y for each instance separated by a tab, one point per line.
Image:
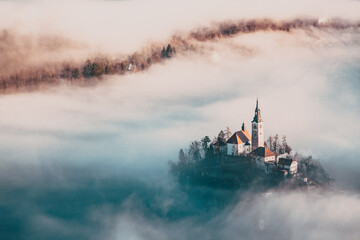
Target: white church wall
240	149
231	149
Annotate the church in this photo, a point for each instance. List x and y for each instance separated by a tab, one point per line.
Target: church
241	142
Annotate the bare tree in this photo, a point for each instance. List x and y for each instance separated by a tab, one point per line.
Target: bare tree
227	133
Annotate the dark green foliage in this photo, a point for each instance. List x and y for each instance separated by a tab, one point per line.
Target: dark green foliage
163	53
194	152
205	142
88	70
66	72
75	73
167	53
182	157
98	68
221	136
313	170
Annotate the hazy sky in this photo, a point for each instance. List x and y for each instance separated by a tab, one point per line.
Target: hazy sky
91	162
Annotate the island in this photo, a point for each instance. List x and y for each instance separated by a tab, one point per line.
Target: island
241	160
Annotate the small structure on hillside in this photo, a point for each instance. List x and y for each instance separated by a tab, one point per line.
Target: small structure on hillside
132	67
289	165
264	159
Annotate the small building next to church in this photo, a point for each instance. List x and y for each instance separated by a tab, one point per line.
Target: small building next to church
288	164
263	155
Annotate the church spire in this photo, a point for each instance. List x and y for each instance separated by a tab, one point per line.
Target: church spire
257	117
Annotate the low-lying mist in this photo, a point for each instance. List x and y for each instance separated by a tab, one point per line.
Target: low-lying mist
92	162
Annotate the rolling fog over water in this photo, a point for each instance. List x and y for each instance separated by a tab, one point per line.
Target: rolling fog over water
92	162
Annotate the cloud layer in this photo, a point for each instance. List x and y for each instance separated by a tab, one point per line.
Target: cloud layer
91	163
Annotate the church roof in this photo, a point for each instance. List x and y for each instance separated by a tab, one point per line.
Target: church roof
263	152
240	137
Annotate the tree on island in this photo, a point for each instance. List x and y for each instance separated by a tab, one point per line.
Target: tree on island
194	152
206	146
227	133
274	144
221	137
285	148
182	157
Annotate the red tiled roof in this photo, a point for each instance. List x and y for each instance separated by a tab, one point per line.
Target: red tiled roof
263	152
240	137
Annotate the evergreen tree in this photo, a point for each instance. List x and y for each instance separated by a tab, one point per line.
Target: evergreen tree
182	157
88	70
194	152
149	61
66	72
163	53
98	68
75	73
205	142
221	137
169	51
205	145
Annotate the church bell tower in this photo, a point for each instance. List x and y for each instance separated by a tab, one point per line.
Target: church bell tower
257	132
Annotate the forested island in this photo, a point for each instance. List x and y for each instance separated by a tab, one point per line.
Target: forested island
202	164
241	160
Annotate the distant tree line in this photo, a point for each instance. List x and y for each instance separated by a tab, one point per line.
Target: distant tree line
91	68
95	68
